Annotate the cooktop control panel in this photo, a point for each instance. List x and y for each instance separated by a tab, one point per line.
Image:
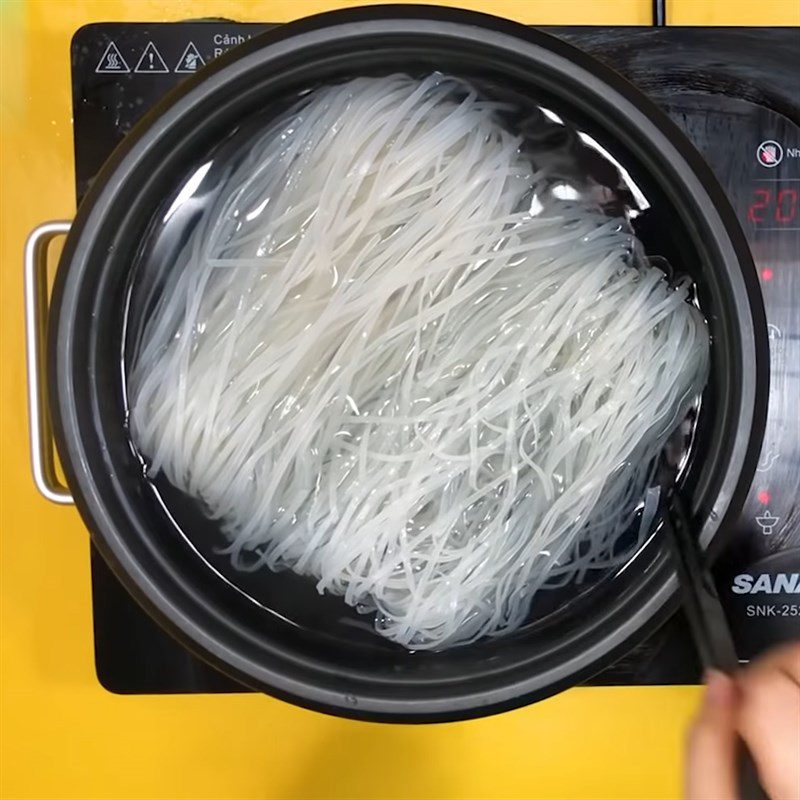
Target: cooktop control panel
735	92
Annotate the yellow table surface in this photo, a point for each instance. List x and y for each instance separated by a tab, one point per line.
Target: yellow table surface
65	736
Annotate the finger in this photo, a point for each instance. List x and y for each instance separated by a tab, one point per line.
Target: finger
769	724
711	758
785	658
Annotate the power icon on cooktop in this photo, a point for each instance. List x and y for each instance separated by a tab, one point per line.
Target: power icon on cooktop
769	153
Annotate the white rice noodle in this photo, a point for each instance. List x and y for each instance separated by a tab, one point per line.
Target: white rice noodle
390	359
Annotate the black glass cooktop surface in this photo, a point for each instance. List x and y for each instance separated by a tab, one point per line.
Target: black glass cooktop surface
736	94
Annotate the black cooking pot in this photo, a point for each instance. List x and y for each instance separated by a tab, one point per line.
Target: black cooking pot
288	641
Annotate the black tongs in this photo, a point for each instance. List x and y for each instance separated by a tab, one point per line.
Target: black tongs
707	620
701	604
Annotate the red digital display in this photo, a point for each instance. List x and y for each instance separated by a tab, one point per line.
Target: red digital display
774	207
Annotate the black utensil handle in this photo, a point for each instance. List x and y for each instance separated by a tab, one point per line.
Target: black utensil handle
750	787
708	623
707	620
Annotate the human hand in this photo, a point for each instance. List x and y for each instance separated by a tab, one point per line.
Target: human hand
760	706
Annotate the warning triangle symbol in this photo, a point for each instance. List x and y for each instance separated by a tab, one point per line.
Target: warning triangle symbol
151	60
112	60
191	60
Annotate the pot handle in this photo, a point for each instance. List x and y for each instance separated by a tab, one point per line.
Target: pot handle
40	427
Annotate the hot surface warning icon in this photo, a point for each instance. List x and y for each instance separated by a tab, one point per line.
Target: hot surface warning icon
151	60
112	60
191	60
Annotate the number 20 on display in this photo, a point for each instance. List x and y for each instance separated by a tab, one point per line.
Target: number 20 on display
770	206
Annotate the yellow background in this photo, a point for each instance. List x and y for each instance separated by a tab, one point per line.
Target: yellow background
62	734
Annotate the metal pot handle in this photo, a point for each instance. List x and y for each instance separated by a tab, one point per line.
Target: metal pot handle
40	427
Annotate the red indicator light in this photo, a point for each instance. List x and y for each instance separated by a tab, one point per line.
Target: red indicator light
767	274
764	497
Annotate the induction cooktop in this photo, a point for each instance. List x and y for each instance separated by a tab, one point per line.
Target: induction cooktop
735	92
